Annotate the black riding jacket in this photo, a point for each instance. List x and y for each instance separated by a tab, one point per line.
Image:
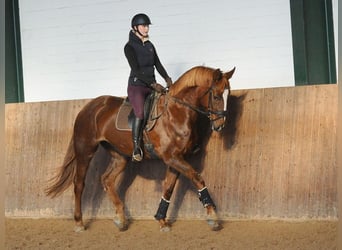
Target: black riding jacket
142	58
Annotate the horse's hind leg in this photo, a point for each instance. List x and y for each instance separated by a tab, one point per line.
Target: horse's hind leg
83	158
108	181
78	190
168	187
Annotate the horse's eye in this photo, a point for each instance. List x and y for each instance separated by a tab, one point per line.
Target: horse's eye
217	98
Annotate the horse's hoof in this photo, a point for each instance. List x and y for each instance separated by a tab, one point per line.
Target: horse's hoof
217	227
165	229
214	225
164	226
120	225
79	229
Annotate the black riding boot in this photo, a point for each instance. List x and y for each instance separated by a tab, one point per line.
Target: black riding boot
136	134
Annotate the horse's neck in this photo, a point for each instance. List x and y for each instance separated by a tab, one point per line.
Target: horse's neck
185	106
188	95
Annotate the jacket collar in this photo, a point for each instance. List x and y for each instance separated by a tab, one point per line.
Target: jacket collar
135	38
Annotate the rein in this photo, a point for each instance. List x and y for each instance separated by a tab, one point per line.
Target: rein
208	113
199	110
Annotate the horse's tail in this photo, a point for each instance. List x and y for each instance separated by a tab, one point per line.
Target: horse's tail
66	174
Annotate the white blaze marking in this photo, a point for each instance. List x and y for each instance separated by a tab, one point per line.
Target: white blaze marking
225	98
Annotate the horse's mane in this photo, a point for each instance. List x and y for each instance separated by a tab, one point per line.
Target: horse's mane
192	78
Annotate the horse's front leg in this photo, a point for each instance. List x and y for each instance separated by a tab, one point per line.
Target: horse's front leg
208	203
168	187
186	169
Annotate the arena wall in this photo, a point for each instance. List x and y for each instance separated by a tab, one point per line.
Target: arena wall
276	158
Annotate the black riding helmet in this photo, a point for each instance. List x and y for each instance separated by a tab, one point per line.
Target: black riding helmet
140	19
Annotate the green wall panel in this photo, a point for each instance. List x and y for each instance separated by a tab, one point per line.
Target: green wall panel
313	42
14	90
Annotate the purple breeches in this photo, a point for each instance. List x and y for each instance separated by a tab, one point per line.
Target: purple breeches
137	95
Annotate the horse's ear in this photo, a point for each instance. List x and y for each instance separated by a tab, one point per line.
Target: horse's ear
217	75
229	74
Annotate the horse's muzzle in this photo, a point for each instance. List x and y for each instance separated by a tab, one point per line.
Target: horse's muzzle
216	126
221	115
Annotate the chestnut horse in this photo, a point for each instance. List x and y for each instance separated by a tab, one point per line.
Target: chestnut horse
200	90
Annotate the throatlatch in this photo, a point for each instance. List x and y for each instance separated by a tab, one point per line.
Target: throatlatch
205	198
162	209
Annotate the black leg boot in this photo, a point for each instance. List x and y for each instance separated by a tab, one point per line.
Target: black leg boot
136	135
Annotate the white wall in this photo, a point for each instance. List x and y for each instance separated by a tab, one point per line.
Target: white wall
74	49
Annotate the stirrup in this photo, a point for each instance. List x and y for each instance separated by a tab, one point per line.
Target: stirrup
138	157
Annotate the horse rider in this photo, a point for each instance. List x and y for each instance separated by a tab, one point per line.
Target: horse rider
142	59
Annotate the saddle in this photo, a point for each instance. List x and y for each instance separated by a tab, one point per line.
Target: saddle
126	114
